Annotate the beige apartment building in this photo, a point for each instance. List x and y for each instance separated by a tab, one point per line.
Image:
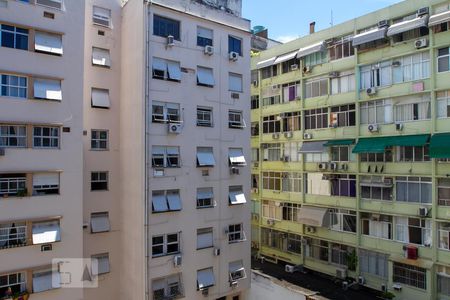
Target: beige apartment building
123	138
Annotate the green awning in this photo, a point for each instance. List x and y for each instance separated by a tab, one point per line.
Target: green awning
440	145
378	145
339	143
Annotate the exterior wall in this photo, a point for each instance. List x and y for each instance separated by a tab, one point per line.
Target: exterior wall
68	159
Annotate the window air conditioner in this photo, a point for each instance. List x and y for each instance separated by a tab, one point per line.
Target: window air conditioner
255	83
234	171
333	166
307	69
334	74
177	260
361	280
233	284
288	134
341	273
421	43
310	229
270	222
275	136
170	41
234	56
234	95
322	166
209	50
344	167
289	269
372	127
307	136
371	91
397	287
275	87
423	212
286	158
175	128
399	126
294	67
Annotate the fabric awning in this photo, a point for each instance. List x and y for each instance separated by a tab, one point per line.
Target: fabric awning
159	203
174	201
286	57
40	179
48	43
235	266
421	21
205	76
46	280
204	238
205	193
312	147
369	36
100	223
439	18
339	143
205	158
205	278
314	216
100	98
47	89
237	197
378	145
236	156
265	63
318	47
101	57
173	70
440	145
46	232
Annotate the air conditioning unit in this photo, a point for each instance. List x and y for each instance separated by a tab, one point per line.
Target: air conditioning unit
205	292
233	284
170	41
383	23
361	280
399	126
254	190
275	87
234	171
307	69
421	43
234	56
289	269
334	74
2	152
372	127
294	67
423	212
341	273
344	167
209	50
216	251
310	229
46	247
371	91
397	287
286	158
255	83
307	136
333	166
177	259
275	136
288	134
175	128
270	222
422	11
322	166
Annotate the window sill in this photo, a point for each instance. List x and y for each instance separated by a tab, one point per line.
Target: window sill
165	255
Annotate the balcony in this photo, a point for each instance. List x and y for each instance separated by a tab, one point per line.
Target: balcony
396	168
331	201
18	185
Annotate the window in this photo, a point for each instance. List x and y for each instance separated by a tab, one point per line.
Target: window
254	131
101	57
235	233
205	197
291	91
205	157
236	195
413	230
411	67
271	181
255	154
292	121
443	59
343	220
375	41
204	36
100	98
376	112
255	181
205	116
165	244
271	210
236	157
378	226
164	27
165	157
315	58
443	104
316	156
46	232
373	263
413	189
14	281
45	280
444	191
375	188
100	222
204	238
101	16
48	43
234	45
270	71
290	211
291	182
340	254
99	181
317	249
316	118
166	201
341	47
271	124
294	243
236	270
413	109
205	278
167	288
13	136
235	119
316	87
344	83
342	116
409	275
205	77
443	280
444	235
102	263
235	82
166	69
343	185
14	37
45	184
12	235
415	154
272	100
271	152
287	66
47	89
277	239
340	153
14	86
57	4
377	157
99	139
163	112
45	137
376	75
254	102
13	184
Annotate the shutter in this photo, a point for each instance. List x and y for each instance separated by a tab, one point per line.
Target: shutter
40	179
48	43
100	98
101	57
47	89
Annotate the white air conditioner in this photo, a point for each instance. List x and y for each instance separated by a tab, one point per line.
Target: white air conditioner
372	127
170	41
275	136
209	50
334	74
399	126
270	222
234	171
383	23
310	229
397	287
177	259
307	136
333	166
234	95
294	67
371	91
175	128
255	165
421	43
322	166
288	134
233	56
216	251
341	273
289	269
361	280
423	211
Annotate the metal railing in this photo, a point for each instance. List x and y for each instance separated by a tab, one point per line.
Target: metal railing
14	236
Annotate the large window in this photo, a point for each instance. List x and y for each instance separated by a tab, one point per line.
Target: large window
234	45
340	153
376	75
272	100
290	211
204	37
344	83
317	249
343	186
205	116
376	112
341	47
444	235
204	238
443	280
163	112
271	181
12	235
271	210
316	87
291	182
270	71
166	201
444	191
271	152
413	230
235	82
205	197
164	27
413	189
286	66
164	69
377	157
13	86
14	37
167	288
410	34
12	184
101	16
165	244
443	104
410	153
316	58
443	58
343	115
375	188
316	118
373	263
413	109
254	129
271	124
291	151
291	91
410	275
378	226
411	67
292	121
13	136
343	220
45	137
14	281
165	157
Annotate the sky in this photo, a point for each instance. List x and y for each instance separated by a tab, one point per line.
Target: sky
289	19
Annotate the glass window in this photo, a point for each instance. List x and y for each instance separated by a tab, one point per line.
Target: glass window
341	47
204	36
99	181
13	86
316	87
99	139
271	124
235	119
413	189
316	118
13	136
443	57
14	37
410	275
234	45
204	116
165	244
164	27
235	82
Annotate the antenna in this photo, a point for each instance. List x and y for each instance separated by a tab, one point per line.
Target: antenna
331	23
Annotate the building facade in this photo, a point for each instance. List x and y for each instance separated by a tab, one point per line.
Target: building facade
350	151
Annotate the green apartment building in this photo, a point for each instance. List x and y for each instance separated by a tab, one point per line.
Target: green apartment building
351	151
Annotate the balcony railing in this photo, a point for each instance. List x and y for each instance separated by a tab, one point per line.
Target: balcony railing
14	236
12	186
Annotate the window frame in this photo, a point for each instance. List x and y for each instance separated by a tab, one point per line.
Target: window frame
97	140
204	111
232	46
175	31
166	244
99	180
7	86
